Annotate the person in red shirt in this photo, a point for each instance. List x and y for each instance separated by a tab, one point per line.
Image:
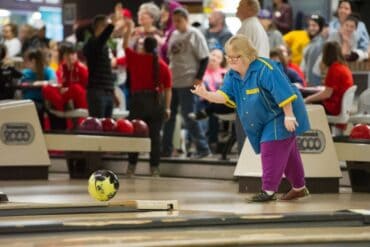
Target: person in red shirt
337	81
150	78
72	79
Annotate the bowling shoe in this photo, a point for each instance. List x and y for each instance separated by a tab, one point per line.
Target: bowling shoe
199	115
130	170
262	197
295	194
155	171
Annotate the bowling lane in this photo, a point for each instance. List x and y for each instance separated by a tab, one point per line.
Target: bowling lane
221	236
192	194
195	196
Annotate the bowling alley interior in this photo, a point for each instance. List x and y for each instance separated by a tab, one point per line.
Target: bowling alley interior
185	123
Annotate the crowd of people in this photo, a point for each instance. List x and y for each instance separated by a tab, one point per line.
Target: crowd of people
157	63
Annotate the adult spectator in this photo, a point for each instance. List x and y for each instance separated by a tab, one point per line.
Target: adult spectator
188	53
345	8
338	79
148	15
313	49
35	38
147	90
217	34
12	43
167	26
41	34
100	94
346	37
25	32
296	41
247	13
282	16
274	35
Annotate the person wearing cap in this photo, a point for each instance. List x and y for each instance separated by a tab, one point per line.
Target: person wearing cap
274	35
296	41
313	49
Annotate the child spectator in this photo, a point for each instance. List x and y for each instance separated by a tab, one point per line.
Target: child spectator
72	78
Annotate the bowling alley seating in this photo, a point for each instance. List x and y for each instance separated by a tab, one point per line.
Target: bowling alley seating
118	112
363	113
229	117
344	116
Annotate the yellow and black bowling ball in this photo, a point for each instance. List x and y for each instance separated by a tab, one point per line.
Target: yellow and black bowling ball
103	185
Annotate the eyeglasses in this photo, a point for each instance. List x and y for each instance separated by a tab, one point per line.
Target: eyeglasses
233	59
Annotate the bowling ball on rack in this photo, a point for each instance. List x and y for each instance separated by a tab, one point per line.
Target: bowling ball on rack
360	131
124	126
140	128
91	124
108	124
103	185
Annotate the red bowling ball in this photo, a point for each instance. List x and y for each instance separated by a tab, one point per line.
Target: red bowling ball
91	124
360	131
124	126
109	124
140	128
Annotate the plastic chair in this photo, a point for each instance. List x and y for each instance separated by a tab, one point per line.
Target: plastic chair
363	113
347	102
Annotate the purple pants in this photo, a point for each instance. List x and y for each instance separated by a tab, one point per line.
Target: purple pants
278	158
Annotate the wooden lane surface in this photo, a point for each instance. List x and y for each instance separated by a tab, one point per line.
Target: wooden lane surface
192	194
222	236
175	219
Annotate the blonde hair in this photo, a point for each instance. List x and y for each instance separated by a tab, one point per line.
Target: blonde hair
242	45
254	6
